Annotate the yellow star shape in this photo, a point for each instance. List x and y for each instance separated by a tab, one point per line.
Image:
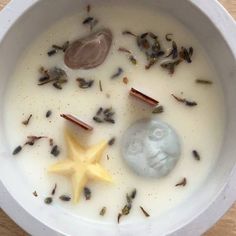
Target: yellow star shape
81	165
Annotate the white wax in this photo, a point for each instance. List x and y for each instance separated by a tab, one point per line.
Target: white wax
199	128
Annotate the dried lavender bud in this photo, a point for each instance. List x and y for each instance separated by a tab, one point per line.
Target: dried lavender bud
65	198
109	120
52	52
54	190
48	114
118	73
201	81
196	155
103	211
97	119
48	200
84	84
170	66
55	151
158	110
99	112
88	20
133	60
190	104
133	194
186	55
182	183
87	193
17	150
111	141
126	210
43	79
26	122
149	44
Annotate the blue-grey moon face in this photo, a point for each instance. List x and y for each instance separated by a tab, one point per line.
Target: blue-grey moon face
151	148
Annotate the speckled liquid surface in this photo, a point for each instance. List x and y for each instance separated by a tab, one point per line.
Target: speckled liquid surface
200	128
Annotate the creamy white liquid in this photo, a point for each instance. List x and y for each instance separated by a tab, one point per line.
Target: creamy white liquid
200	128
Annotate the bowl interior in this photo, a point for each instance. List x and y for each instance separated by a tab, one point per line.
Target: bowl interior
36	20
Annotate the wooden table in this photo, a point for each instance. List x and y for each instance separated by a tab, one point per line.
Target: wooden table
225	227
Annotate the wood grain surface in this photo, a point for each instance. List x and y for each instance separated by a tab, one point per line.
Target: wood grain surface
225	227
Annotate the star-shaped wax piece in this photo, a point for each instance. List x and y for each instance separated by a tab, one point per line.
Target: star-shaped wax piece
81	165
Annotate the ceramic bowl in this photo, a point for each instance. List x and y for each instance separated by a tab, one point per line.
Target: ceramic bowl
22	21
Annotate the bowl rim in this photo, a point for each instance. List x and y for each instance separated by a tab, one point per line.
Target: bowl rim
225	197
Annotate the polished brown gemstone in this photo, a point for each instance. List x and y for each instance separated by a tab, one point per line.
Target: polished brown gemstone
89	52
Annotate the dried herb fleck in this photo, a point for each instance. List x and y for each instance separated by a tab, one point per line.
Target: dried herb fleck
99	112
133	194
133	60
54	190
88	8
100	86
182	183
144	212
122	49
55	151
190	103
87	193
65	198
112	141
118	73
63	47
126	210
52	52
48	113
103	211
32	139
127	32
201	81
196	155
168	37
119	217
97	119
84	84
185	101
51	142
88	20
26	122
158	110
48	200
17	150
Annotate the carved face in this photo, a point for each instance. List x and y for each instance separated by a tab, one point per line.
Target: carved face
151	148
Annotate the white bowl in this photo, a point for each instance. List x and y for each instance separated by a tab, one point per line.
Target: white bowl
22	21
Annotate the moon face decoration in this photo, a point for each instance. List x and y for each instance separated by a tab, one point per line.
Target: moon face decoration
151	148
